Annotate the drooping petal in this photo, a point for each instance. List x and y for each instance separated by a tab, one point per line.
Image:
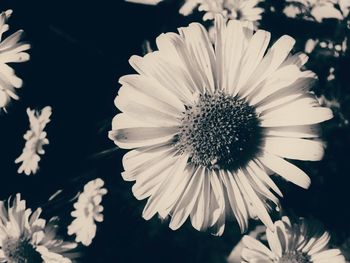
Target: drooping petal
285	169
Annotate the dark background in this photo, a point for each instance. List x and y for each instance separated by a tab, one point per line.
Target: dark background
79	50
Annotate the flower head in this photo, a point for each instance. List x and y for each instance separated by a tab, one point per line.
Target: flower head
25	237
35	140
245	10
208	124
87	211
300	242
11	51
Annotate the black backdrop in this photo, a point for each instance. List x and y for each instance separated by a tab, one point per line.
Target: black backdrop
79	50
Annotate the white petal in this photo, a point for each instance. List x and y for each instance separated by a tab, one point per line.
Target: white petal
136	158
217	189
201	51
166	188
170	76
151	88
299	59
11	40
281	79
301	116
264	177
133	95
254	244
220	34
234	44
329	255
151	176
274	242
252	57
259	187
144	112
257	203
320	243
285	169
185	205
130	138
294	148
236	201
271	61
298	89
200	213
173	47
306	131
123	121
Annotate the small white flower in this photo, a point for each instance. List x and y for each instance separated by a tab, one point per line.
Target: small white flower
11	51
35	140
25	237
301	242
87	211
244	10
292	11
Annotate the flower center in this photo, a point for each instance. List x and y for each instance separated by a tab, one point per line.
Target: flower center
20	251
219	131
293	257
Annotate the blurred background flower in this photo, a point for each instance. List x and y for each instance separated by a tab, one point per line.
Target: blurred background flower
301	241
35	140
87	211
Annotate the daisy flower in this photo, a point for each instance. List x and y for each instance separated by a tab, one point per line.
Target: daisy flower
25	237
301	242
87	211
209	123
245	10
317	9
35	140
11	51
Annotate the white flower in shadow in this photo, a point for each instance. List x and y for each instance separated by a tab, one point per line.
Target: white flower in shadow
35	140
87	211
25	237
244	10
303	241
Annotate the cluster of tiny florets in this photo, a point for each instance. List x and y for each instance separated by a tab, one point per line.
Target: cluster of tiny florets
219	131
20	251
294	257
